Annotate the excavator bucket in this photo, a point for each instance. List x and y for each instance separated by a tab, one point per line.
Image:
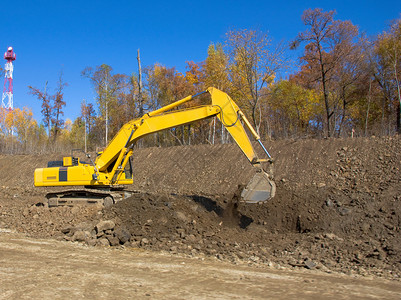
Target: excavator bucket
260	189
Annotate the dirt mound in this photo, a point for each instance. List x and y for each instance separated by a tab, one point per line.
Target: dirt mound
337	206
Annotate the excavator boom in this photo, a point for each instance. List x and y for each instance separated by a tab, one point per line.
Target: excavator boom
110	167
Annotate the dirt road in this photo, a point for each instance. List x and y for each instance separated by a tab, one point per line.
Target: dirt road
49	269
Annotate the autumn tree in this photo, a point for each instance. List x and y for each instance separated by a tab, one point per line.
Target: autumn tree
75	137
253	64
5	122
23	123
329	44
388	68
166	85
318	36
216	68
6	130
294	109
88	114
350	73
19	129
195	76
366	108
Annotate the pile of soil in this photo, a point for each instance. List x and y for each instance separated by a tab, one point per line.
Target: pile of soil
337	206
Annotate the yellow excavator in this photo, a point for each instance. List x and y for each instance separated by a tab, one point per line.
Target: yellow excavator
104	179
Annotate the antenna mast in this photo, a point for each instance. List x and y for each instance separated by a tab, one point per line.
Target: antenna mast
9	56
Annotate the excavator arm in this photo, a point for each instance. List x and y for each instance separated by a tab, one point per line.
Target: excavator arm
109	169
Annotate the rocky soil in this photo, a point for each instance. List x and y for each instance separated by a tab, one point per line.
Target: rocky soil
337	207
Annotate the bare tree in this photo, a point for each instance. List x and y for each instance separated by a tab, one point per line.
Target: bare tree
47	109
140	86
58	104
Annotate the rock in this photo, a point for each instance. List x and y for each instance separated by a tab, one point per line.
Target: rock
25	212
105	225
309	264
219	256
79	236
190	238
343	211
67	230
195	208
103	242
365	227
332	236
122	234
180	231
114	241
91	242
144	241
134	244
254	258
181	216
75	209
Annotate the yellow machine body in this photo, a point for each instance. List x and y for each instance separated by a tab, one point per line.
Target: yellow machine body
74	176
110	167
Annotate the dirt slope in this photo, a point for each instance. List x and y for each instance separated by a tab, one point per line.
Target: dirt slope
337	205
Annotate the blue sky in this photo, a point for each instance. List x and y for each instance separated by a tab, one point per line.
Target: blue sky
50	36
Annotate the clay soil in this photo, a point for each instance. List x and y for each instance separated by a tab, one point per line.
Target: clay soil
337	207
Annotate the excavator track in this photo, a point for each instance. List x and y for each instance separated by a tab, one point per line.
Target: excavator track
75	197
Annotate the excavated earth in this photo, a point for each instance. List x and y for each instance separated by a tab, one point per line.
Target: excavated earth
337	207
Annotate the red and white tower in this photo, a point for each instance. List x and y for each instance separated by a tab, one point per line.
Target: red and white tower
9	56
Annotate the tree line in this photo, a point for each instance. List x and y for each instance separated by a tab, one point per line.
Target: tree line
346	84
